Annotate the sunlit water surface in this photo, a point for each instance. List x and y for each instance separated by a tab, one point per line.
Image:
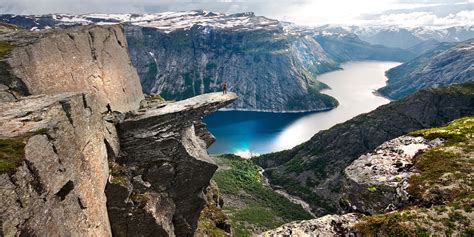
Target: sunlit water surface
246	133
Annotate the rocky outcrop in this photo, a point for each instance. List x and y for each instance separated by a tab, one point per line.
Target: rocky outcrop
159	179
445	65
433	167
55	185
93	59
329	225
70	166
314	170
377	181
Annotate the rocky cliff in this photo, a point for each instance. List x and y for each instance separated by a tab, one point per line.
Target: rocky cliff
270	65
269	69
93	59
69	165
53	166
446	64
157	183
314	170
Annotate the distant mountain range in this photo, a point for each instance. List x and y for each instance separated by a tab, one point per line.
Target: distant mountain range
404	38
271	65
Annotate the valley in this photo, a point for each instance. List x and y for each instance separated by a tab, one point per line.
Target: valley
116	125
252	133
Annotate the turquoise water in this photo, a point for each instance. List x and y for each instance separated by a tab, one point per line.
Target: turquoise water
245	133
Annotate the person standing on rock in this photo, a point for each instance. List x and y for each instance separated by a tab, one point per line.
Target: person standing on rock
224	91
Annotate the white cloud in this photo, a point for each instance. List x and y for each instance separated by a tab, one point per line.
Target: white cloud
414	19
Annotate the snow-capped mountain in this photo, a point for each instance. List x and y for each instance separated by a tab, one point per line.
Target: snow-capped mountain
182	54
393	36
165	22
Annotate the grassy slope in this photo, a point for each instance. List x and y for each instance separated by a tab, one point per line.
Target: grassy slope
251	205
443	189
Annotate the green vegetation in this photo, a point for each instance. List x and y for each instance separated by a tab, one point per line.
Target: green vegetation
452	162
140	199
118	174
444	184
372	189
212	220
297	189
211	66
263	42
180	38
5	48
154	98
12	152
258	207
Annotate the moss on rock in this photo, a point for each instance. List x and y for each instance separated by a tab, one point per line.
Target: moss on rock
442	188
5	48
12	152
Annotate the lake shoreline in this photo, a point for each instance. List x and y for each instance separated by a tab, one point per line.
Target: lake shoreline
256	132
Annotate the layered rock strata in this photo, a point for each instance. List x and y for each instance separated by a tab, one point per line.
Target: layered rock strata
157	184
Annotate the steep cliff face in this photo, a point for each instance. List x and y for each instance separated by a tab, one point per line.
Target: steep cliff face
313	170
68	166
447	64
157	184
268	69
53	166
93	59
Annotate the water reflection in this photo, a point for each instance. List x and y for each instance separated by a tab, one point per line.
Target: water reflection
259	132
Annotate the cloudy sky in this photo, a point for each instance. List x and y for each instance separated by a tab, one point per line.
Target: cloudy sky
304	12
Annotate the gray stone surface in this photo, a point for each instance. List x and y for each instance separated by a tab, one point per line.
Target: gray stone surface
377	181
58	187
329	225
93	59
156	185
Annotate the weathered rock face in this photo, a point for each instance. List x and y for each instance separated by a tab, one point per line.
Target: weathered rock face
93	59
56	150
56	187
267	69
329	225
377	181
156	185
313	170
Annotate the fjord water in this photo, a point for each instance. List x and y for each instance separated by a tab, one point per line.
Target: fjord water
244	133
